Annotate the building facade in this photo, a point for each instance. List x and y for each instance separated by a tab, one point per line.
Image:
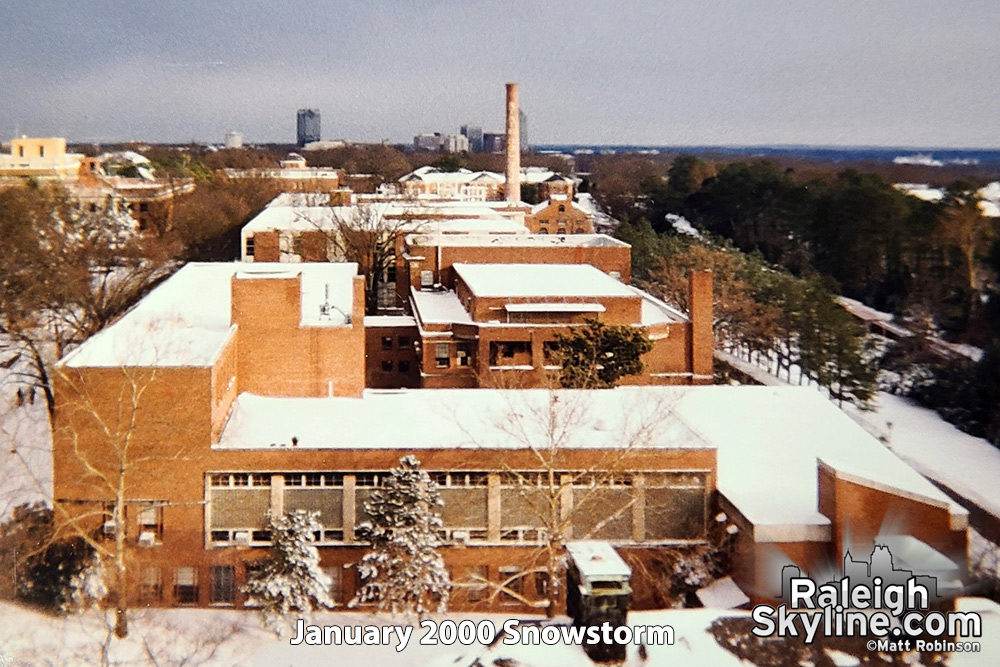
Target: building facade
307	126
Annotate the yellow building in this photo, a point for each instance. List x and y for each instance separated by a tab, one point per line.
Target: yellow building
40	157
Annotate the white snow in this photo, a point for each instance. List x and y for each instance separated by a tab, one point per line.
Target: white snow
390	321
25	439
863	312
540	281
460	418
789	429
597	560
527	240
554	308
186	320
967	465
722	594
681	225
433	307
655	311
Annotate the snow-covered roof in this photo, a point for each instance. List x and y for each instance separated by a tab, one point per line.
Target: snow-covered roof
762	432
990	191
390	321
432	174
558	199
540	281
769	440
722	594
294	214
597	560
438	307
186	320
655	311
554	308
525	240
428	419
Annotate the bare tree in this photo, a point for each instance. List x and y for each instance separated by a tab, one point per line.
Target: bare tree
562	495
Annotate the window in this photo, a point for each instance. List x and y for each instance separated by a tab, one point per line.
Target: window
464	354
151	589
579	230
223	584
41	151
386	342
550	351
404	342
143	207
403	367
390	273
543	230
478	576
442	355
541	584
512	583
249	248
336	575
93	208
562	208
186	586
20	151
562	230
151	522
386	366
426	279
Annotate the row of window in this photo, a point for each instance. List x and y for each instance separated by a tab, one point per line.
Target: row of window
402	367
404	342
222	584
445	479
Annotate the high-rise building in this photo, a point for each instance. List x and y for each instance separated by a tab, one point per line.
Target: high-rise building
474	133
307	126
523	122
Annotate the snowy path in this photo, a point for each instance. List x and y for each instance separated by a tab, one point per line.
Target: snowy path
968	466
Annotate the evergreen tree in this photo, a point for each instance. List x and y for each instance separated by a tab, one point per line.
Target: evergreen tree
598	355
290	577
404	573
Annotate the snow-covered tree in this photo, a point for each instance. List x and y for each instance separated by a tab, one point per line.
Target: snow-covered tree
88	587
404	573
290	577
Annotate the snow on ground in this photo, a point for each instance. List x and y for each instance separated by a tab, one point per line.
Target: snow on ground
25	438
967	465
212	637
682	226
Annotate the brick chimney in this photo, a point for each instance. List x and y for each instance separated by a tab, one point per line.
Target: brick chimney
702	339
512	186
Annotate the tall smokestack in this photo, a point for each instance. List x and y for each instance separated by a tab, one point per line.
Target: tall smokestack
512	186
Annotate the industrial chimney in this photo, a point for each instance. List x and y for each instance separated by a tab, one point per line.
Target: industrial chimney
512	187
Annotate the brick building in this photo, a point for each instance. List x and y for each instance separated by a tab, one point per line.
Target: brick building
494	325
559	214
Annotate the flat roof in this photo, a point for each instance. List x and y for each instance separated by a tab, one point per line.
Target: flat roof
186	321
438	307
428	419
554	308
520	240
540	281
597	560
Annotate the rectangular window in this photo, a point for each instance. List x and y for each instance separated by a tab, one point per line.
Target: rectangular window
442	355
143	207
336	575
41	151
386	366
541	584
249	250
186	586
152	585
386	342
404	367
151	522
478	575
464	354
223	584
390	273
511	583
404	342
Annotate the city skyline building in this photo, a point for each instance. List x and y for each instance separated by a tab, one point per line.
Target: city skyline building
307	126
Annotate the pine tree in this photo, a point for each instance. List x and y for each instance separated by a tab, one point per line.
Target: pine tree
599	355
290	577
404	573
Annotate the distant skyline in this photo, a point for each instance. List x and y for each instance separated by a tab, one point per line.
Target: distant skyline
755	72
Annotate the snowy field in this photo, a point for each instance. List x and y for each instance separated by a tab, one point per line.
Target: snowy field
25	437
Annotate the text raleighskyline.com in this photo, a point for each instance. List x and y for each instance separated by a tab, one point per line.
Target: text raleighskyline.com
848	609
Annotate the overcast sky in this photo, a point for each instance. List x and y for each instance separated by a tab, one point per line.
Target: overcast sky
856	72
